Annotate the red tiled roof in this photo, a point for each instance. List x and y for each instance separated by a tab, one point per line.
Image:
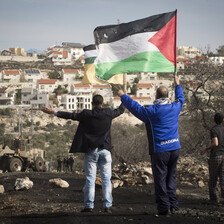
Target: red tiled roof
47	81
2	90
101	86
80	85
141	98
70	70
134	98
144	85
65	54
183	59
11	72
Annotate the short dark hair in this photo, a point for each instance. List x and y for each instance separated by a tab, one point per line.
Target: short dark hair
218	118
97	100
162	92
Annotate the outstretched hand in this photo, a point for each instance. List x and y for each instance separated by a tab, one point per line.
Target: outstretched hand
48	110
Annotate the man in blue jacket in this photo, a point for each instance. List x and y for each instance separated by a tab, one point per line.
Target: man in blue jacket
161	121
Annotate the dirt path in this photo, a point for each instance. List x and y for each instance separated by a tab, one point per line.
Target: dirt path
43	204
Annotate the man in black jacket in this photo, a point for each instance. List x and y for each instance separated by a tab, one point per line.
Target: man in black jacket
94	139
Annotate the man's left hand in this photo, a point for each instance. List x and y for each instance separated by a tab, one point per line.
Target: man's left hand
48	110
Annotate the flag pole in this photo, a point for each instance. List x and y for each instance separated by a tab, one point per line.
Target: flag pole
125	82
175	45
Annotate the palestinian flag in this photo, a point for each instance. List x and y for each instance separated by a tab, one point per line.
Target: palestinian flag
145	45
90	53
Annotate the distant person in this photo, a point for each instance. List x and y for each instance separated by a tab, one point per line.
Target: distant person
65	164
59	160
70	163
216	160
161	121
94	139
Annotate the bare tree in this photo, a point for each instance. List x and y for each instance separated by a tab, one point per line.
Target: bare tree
203	84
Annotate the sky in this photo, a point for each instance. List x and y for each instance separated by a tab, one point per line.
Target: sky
40	24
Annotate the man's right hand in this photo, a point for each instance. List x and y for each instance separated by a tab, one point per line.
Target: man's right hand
48	110
176	80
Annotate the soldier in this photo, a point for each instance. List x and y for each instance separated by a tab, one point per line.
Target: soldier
59	164
70	163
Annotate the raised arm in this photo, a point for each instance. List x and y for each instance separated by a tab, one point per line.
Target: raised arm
117	112
135	108
179	95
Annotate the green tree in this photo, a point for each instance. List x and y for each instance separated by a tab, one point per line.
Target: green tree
54	75
18	96
60	90
134	89
220	50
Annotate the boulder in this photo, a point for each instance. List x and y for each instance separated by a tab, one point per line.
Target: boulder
58	182
23	184
2	190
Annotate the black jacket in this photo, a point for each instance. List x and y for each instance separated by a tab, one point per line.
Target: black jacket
94	128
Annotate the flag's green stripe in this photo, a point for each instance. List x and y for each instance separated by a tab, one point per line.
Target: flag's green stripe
142	62
90	60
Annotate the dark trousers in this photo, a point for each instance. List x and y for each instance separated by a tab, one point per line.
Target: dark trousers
216	169
164	173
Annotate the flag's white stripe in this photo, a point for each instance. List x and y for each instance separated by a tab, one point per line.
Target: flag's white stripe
126	47
90	53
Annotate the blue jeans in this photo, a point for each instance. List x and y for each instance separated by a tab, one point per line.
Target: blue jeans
102	157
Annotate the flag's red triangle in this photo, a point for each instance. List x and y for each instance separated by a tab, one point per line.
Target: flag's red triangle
165	40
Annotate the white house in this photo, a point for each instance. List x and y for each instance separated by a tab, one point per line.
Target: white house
11	75
32	75
145	90
76	49
70	75
7	96
46	85
81	89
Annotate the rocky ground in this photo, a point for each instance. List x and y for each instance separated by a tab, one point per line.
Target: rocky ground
133	202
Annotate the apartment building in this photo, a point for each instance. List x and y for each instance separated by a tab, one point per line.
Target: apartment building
32	97
189	52
7	96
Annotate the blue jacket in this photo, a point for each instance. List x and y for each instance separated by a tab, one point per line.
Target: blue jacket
161	121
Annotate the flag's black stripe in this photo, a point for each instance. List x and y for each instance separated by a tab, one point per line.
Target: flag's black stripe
111	33
89	47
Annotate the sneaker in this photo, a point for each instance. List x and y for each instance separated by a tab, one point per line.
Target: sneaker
87	210
108	210
163	214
